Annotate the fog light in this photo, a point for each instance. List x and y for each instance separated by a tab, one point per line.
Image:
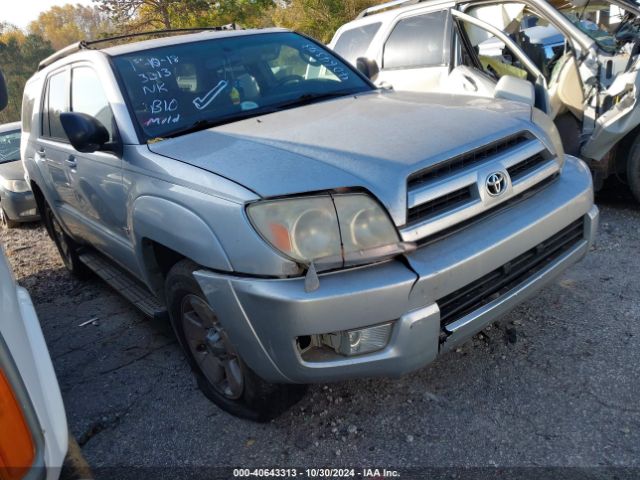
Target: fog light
358	342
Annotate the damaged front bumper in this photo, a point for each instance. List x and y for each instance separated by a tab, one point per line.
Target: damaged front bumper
434	297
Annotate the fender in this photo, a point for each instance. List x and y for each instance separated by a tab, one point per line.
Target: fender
184	232
33	173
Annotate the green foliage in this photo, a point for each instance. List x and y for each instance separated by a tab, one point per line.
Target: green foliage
20	53
19	58
67	24
319	18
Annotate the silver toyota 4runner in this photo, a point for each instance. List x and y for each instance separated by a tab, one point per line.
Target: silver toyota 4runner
297	224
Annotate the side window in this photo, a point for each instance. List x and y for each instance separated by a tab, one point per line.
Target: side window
28	102
496	58
540	40
87	96
354	43
56	102
417	42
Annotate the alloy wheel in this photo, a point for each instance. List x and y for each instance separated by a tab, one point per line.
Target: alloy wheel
211	348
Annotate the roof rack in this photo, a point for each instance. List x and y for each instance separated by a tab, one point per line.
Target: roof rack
88	45
395	3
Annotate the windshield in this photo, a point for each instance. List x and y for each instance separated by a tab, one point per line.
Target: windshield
10	146
609	25
177	89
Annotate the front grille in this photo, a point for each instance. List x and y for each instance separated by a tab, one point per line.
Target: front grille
521	169
445	203
487	213
500	281
461	162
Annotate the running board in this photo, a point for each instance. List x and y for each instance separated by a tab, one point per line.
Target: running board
125	285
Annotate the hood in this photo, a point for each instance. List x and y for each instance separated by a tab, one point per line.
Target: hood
12	170
375	141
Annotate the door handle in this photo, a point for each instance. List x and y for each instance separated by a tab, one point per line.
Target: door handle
472	82
71	161
40	152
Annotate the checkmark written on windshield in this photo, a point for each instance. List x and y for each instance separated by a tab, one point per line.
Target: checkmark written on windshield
203	102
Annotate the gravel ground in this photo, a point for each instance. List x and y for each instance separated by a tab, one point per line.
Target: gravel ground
560	390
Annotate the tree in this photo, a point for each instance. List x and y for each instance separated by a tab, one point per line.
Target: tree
20	55
318	18
71	23
143	14
166	14
247	13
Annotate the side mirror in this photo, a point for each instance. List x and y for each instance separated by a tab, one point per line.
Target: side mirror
4	96
368	67
85	132
517	89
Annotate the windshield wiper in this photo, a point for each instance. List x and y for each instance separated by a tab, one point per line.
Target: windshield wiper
308	98
304	99
215	122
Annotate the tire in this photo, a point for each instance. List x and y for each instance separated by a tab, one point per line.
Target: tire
570	131
67	247
222	375
633	168
5	221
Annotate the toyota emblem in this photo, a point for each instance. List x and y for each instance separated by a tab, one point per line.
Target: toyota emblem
496	184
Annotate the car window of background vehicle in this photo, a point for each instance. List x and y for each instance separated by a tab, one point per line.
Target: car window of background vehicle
10	146
416	42
353	43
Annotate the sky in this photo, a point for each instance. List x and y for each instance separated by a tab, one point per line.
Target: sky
23	12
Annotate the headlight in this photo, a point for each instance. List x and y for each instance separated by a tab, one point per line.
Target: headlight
544	121
17	186
329	230
364	226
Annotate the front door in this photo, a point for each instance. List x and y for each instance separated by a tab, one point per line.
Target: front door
96	178
486	52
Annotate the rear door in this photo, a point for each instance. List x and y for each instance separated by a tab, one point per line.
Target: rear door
53	148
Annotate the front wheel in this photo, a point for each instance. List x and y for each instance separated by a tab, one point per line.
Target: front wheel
221	373
633	168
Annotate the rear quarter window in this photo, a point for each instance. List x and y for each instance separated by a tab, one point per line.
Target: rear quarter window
417	42
354	43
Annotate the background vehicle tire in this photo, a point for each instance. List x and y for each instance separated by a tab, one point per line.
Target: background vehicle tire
5	221
633	168
221	373
569	129
67	248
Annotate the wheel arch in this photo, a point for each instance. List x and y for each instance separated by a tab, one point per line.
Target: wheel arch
165	232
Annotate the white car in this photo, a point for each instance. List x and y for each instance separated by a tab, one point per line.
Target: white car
576	60
33	424
33	434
